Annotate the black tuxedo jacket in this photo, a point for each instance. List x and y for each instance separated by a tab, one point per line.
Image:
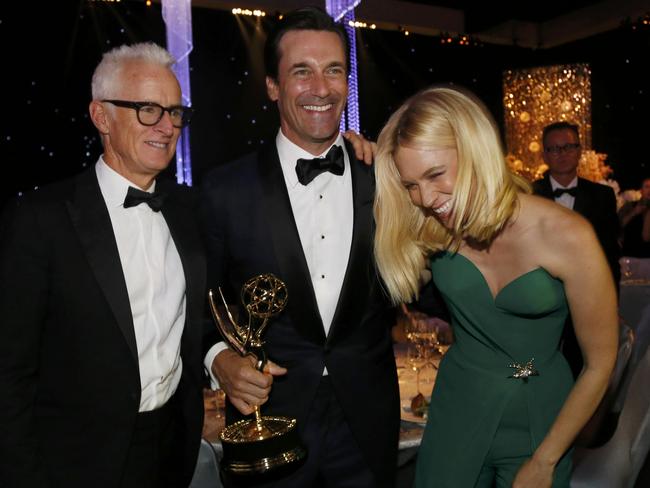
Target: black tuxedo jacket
69	372
250	230
596	203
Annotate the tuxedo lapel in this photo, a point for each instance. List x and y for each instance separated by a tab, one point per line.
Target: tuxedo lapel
92	222
355	289
544	187
183	231
289	254
581	202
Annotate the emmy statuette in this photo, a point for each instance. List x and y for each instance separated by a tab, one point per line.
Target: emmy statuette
254	446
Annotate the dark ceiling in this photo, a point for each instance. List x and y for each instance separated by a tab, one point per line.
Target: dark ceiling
481	15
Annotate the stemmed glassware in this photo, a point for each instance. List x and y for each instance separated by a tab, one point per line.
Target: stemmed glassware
427	340
445	338
220	403
626	270
422	336
215	402
415	361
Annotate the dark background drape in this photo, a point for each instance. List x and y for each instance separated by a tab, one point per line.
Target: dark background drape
51	48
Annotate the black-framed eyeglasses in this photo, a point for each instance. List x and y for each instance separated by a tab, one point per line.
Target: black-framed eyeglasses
562	149
150	113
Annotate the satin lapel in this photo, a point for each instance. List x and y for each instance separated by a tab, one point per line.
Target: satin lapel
90	218
182	228
358	276
302	306
581	202
545	188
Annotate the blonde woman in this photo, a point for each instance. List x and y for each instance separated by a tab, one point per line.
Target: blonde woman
510	266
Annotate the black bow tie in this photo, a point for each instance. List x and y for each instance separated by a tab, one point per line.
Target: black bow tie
558	192
308	169
135	197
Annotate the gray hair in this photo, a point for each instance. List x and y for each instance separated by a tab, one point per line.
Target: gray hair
107	73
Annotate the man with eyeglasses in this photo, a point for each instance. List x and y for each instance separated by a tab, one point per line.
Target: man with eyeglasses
102	280
595	202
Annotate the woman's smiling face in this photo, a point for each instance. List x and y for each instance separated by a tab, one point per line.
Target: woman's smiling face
429	176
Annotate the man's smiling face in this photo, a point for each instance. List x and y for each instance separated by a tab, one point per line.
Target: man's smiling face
311	89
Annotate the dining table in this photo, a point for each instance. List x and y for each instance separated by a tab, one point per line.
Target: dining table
412	379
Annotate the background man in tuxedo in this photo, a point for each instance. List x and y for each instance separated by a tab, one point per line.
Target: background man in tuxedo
595	202
102	302
275	212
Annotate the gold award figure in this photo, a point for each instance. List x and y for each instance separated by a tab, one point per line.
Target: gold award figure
256	445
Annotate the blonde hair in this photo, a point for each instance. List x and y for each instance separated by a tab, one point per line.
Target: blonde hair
484	196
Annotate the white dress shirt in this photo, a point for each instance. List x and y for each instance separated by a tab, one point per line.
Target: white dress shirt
324	214
565	199
156	286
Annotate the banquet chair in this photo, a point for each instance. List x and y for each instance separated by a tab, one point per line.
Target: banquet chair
624	367
616	464
206	472
641	342
643	331
600	426
626	348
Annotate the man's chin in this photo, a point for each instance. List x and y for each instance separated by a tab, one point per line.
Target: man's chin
325	136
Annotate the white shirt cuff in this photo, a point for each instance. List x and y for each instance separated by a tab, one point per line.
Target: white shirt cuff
209	359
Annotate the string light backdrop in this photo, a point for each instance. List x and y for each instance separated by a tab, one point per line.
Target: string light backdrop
534	98
177	15
343	11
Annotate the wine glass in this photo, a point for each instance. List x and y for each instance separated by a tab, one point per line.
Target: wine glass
626	270
424	334
445	338
421	330
219	403
428	373
415	360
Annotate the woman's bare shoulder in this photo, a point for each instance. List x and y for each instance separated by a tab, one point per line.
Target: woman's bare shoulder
551	222
558	238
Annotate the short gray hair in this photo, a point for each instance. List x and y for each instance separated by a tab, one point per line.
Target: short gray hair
109	69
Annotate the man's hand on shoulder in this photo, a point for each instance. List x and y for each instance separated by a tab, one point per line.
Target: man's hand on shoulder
364	149
244	385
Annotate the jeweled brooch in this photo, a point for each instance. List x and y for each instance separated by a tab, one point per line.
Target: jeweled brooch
523	371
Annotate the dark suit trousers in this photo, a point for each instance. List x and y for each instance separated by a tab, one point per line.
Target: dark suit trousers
153	460
334	459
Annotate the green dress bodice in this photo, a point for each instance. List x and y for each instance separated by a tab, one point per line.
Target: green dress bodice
523	322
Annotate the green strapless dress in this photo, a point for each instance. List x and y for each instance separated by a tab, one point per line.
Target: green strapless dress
474	387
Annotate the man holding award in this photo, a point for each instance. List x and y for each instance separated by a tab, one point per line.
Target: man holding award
301	209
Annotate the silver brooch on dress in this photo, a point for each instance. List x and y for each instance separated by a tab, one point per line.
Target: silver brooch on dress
523	371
